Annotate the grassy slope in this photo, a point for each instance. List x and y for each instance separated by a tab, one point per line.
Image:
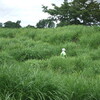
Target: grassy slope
31	68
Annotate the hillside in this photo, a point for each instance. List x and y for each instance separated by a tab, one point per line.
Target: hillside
31	67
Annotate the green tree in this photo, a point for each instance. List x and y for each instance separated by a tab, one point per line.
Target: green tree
30	26
17	24
45	23
10	24
76	12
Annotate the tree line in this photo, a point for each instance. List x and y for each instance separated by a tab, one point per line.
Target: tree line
44	23
77	12
10	24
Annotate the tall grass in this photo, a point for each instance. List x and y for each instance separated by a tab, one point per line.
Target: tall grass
28	83
31	67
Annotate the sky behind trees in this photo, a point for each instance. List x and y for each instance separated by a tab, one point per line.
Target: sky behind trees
28	11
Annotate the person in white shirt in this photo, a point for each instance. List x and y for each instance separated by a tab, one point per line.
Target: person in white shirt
63	53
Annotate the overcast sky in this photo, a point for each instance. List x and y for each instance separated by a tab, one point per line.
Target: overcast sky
28	11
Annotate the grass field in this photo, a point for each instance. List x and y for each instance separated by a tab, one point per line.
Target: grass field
31	67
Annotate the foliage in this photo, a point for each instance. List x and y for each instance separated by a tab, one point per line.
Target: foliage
31	67
75	12
10	24
30	26
45	23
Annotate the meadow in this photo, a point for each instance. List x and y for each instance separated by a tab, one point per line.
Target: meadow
31	67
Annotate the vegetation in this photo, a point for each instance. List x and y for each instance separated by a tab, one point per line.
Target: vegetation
31	67
10	24
76	12
0	24
45	23
30	26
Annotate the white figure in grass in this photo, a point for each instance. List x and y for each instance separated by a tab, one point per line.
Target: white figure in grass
63	53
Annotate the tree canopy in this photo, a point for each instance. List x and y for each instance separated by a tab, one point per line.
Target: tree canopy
82	12
30	26
45	23
10	24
